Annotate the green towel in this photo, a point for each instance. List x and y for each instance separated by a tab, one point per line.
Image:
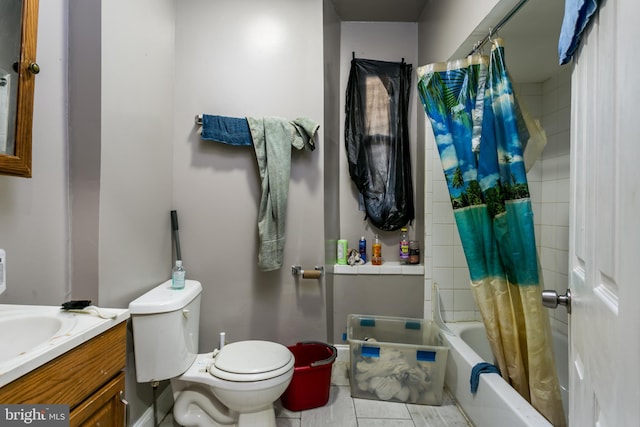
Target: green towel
272	141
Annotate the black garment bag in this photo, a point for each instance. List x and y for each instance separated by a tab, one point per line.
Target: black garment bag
377	140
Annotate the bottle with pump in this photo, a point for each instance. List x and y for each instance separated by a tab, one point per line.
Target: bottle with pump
362	249
404	246
376	257
178	275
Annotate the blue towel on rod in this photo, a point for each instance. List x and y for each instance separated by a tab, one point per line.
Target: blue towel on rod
481	368
229	130
577	14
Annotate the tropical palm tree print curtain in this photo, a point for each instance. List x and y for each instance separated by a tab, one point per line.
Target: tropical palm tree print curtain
480	134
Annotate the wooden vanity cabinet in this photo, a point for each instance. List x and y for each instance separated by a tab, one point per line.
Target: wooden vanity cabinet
103	408
88	378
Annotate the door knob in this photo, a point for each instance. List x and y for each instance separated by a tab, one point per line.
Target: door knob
551	299
34	68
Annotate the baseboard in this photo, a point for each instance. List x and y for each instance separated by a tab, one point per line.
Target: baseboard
164	405
146	420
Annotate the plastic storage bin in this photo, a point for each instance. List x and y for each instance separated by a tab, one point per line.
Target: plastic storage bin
311	381
396	359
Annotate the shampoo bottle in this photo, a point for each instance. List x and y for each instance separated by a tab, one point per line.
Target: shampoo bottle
362	249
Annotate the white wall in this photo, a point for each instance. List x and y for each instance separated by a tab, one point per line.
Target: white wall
383	41
34	212
333	146
136	180
84	145
188	58
121	56
447	26
393	295
445	262
550	102
554	212
248	58
160	63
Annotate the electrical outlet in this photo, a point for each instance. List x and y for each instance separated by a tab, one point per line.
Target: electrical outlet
3	271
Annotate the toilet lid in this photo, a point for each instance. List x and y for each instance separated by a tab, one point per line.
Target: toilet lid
251	361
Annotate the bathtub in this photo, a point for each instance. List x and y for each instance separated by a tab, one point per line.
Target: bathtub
496	403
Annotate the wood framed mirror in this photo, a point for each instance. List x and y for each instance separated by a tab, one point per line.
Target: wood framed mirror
18	69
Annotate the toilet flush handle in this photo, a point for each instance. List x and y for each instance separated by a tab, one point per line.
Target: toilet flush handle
185	313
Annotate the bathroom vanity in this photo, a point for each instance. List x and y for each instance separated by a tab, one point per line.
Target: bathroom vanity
88	375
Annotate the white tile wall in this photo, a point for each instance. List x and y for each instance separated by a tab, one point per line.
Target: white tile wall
445	264
553	245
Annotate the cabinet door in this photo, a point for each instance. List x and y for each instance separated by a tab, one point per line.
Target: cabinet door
104	408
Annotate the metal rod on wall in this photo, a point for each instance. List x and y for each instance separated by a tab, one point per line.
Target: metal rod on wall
497	28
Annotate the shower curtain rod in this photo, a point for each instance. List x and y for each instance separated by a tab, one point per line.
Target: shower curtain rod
498	26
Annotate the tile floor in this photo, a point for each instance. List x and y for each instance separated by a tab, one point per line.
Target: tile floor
344	411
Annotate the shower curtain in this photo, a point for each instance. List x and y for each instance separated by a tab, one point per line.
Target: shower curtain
480	134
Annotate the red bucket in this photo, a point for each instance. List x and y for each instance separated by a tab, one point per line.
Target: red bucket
309	387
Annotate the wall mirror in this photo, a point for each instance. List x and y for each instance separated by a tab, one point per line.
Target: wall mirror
18	68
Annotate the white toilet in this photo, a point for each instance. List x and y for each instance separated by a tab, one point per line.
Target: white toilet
234	386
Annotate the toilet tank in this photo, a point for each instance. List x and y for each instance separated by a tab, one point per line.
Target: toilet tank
165	324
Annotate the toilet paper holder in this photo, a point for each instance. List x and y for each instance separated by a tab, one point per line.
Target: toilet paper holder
316	273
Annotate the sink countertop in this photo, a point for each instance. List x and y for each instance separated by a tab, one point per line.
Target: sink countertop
76	329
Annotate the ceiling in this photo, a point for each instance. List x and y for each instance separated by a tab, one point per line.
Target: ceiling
530	36
380	10
531	40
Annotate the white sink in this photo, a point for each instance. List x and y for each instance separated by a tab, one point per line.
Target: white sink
32	335
21	332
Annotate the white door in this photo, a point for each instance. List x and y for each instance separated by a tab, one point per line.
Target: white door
604	358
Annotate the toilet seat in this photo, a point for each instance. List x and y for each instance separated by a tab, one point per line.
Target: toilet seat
251	360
